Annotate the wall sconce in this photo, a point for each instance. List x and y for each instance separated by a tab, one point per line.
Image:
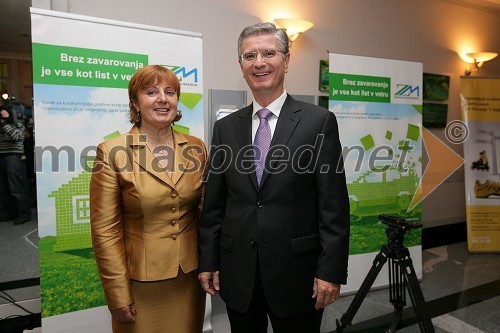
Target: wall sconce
293	27
477	59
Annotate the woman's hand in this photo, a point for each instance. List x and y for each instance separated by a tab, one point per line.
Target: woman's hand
125	314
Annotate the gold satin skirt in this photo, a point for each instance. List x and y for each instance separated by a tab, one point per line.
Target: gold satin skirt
169	306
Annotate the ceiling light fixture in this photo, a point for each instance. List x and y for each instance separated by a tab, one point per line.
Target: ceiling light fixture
477	59
293	27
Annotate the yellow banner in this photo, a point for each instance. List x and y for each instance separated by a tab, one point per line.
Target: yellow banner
480	101
483	228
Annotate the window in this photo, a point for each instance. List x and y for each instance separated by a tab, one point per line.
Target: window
81	209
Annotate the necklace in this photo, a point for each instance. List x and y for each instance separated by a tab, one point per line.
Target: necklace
160	148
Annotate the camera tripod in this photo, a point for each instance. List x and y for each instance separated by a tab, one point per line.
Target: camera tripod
401	277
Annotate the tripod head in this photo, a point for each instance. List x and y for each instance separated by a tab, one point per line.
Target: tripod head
397	227
397	222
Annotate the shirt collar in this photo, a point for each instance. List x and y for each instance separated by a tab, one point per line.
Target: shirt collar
274	107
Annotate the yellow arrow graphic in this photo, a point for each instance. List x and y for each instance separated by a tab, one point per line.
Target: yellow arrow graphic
443	161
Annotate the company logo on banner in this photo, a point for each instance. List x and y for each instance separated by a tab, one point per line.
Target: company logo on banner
188	77
407	91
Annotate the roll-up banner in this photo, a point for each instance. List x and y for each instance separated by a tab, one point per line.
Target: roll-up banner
81	69
378	105
480	101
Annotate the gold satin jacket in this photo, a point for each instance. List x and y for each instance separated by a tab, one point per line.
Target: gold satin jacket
144	223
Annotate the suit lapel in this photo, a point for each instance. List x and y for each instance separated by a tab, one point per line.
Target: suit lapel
182	159
144	157
287	122
243	131
243	128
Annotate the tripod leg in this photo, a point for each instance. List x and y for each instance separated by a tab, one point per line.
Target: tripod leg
397	292
416	295
377	265
398	313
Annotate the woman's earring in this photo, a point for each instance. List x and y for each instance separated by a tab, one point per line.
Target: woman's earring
178	116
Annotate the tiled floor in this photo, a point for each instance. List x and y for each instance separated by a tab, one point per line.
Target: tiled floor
19	257
462	293
462	290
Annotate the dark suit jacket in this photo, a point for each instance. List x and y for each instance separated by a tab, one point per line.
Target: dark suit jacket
297	222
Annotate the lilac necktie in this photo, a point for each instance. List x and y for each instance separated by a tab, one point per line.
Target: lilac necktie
262	142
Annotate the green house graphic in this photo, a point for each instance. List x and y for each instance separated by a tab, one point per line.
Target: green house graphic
389	196
73	212
72	202
389	191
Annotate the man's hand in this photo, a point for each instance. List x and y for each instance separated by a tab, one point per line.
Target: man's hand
325	293
210	282
125	314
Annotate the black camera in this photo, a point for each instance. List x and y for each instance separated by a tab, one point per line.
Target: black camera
398	222
9	119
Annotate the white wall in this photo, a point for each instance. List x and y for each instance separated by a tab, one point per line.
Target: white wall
427	31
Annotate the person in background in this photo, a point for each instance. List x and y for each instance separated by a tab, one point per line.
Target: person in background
274	232
29	152
145	199
14	187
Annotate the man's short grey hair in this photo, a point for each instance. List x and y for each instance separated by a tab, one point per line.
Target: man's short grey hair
265	28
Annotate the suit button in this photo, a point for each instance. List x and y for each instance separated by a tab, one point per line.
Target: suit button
253	242
173	209
260	204
174	237
172	222
173	195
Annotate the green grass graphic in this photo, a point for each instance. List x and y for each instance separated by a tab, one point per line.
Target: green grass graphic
69	280
368	235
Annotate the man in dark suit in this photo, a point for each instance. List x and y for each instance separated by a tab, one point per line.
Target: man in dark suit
274	231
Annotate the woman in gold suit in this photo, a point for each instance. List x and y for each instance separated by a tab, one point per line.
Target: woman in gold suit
145	199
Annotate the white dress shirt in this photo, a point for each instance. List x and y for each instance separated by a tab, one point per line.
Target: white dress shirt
274	107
